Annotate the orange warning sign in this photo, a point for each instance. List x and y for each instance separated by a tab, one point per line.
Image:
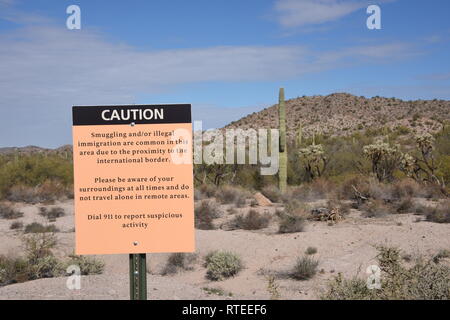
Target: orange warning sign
133	179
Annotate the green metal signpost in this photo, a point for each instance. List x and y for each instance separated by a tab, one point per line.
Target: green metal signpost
138	277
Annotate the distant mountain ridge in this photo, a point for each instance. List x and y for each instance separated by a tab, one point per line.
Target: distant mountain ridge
340	114
337	114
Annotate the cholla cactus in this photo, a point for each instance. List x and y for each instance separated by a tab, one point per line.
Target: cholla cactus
423	168
425	142
408	164
384	158
314	160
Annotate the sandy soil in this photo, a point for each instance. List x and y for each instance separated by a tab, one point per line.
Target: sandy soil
347	247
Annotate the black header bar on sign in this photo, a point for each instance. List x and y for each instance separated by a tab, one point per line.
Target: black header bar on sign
139	114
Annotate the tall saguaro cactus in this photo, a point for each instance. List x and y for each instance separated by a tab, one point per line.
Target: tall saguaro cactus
299	136
282	173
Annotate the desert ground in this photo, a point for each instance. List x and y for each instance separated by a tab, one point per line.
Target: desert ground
346	247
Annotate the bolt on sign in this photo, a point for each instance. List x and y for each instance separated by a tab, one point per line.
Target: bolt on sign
133	179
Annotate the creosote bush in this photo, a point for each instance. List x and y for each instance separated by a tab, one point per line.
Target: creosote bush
179	261
40	262
289	223
425	280
253	220
376	209
222	264
229	194
205	212
440	213
8	212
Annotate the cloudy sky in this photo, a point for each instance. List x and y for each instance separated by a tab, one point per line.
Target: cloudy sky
226	58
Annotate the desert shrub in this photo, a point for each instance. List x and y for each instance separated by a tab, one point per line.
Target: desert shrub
36	227
440	213
340	288
16	225
405	188
360	188
229	194
342	207
404	205
179	261
208	190
50	174
88	265
22	193
272	193
40	262
321	188
296	208
40	259
289	223
305	268
425	280
198	195
222	264
375	209
8	212
311	250
12	270
253	220
53	213
205	212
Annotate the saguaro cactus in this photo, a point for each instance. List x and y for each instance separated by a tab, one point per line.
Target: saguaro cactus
299	136
282	173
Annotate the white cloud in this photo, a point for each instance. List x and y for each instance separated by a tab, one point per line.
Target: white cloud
45	69
296	13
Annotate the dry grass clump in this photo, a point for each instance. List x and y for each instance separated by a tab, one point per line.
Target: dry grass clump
305	268
311	250
9	213
253	220
425	280
205	212
179	261
36	227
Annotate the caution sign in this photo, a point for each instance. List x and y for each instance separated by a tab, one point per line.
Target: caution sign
133	179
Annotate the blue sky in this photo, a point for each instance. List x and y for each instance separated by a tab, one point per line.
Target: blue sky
226	58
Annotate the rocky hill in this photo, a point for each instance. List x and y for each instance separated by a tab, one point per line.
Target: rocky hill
343	114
